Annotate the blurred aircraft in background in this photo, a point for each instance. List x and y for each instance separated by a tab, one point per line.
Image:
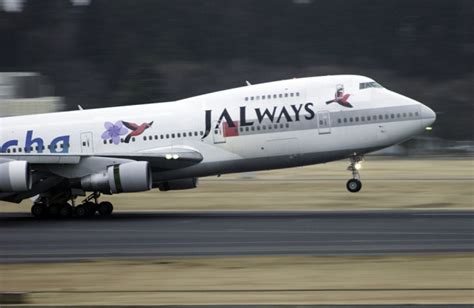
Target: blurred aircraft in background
54	158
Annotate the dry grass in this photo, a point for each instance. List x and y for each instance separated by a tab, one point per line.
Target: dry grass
241	280
388	184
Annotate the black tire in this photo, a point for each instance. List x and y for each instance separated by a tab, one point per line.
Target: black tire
39	210
105	208
91	208
53	210
81	211
65	211
354	185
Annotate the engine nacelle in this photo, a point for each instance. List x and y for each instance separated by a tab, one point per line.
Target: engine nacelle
180	184
15	176
127	177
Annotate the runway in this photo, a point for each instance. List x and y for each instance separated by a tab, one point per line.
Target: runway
184	234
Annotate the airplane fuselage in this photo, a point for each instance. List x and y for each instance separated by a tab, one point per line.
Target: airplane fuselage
265	126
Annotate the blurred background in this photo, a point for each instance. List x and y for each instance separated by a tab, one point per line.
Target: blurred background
57	54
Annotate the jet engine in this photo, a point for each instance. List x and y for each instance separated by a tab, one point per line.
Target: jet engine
126	177
180	184
15	176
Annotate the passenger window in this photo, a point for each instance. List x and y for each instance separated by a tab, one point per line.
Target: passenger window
345	120
247	129
416	114
264	127
287	125
258	127
351	120
274	96
398	115
338	120
369	118
252	98
392	116
362	119
357	119
297	93
404	115
167	136
286	94
252	128
246	99
280	95
291	94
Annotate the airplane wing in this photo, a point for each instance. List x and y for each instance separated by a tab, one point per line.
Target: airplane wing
164	158
52	169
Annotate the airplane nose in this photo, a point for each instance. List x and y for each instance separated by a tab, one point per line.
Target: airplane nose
428	116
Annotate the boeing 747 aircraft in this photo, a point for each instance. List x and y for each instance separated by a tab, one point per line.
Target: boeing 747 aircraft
56	158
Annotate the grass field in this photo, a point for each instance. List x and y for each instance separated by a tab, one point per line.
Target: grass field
244	280
387	184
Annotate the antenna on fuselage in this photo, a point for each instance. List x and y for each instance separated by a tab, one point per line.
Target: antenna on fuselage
248	83
80	107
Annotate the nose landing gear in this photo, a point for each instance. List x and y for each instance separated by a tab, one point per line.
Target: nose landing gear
354	185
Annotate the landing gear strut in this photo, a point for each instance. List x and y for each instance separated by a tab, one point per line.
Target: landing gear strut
354	184
91	205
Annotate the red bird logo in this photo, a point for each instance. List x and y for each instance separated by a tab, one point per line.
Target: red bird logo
136	130
340	97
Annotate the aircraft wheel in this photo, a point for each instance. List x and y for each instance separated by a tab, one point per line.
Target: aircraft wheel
91	208
65	211
54	209
354	185
39	210
81	211
105	208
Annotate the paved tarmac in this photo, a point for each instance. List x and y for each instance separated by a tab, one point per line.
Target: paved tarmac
152	234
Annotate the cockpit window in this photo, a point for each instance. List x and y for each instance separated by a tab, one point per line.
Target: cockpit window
366	85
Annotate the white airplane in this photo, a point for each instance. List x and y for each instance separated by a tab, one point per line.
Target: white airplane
54	158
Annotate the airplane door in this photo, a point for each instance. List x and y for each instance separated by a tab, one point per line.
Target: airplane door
87	145
218	132
324	122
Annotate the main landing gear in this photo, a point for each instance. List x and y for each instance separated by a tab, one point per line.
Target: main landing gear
354	184
88	208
